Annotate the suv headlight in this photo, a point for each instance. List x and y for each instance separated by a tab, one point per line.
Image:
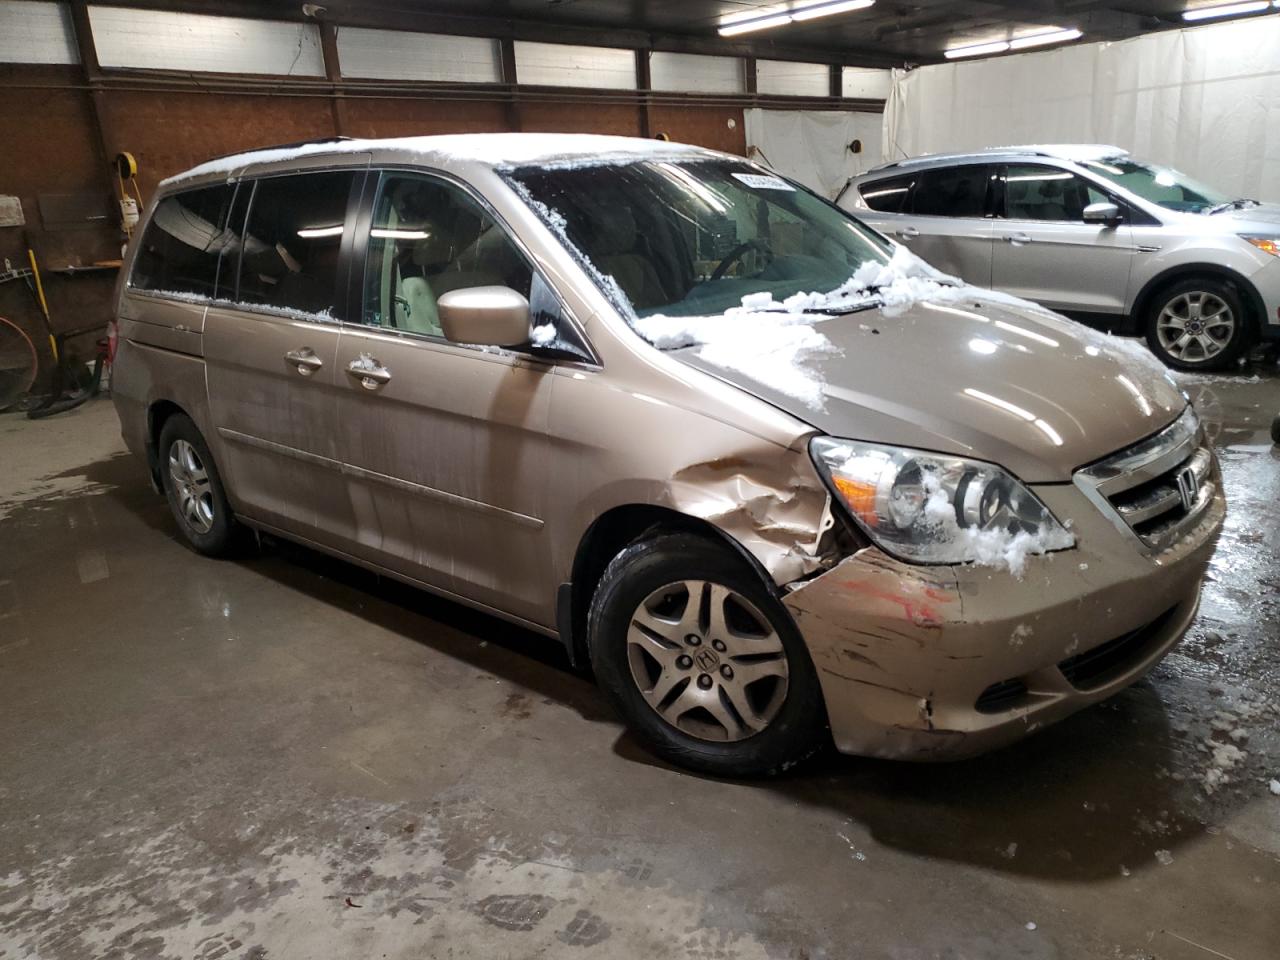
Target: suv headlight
1269	245
929	508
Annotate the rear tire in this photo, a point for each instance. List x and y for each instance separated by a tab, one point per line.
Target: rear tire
1197	324
193	487
703	661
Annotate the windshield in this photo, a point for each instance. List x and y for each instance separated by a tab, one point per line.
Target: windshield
693	238
1161	185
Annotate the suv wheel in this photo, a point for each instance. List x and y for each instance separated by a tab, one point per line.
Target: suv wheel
1197	324
703	661
194	489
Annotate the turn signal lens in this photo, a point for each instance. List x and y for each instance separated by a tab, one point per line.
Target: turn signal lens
1269	245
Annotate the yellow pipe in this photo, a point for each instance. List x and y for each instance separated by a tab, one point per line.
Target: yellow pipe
44	304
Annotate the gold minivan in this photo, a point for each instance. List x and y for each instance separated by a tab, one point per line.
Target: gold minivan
763	471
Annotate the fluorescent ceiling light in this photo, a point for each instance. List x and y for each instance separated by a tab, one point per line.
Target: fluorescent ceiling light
388	233
1040	39
1225	10
976	49
309	232
778	17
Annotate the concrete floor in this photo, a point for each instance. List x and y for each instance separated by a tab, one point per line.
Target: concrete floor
284	757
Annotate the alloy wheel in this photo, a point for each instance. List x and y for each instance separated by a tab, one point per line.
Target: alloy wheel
1195	326
707	661
191	485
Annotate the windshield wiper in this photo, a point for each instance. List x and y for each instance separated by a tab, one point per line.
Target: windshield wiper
1243	203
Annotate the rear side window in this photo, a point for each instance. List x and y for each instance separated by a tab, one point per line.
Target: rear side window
293	240
888	196
952	192
184	242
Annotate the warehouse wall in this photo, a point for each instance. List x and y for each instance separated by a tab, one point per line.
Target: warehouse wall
1203	99
368	83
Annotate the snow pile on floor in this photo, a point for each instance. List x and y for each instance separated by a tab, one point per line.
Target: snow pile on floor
1275	787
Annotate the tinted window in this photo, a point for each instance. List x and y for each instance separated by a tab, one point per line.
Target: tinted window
429	237
292	241
888	196
183	243
1034	192
952	192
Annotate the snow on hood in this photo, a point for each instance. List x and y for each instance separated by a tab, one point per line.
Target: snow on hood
495	149
773	342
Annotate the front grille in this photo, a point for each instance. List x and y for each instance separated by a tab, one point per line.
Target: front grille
1001	696
1099	666
1157	486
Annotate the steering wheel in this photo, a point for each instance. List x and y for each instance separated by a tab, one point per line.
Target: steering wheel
738	252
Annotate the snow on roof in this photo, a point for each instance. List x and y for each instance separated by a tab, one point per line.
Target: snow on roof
494	149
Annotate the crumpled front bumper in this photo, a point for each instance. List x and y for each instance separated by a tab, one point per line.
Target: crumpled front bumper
904	652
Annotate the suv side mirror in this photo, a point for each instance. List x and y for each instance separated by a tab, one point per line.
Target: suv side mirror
488	316
1107	213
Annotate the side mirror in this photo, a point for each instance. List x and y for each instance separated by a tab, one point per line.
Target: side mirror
1107	213
488	316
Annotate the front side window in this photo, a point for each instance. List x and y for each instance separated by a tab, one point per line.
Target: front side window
1161	185
689	238
183	244
888	196
952	192
428	237
1035	192
292	242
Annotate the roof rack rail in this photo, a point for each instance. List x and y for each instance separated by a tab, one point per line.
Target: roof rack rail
1067	152
281	146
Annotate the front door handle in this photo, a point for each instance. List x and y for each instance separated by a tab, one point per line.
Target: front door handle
1017	237
305	360
908	233
370	372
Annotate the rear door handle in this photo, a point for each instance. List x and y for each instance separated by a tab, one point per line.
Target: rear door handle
908	233
1017	237
370	372
305	360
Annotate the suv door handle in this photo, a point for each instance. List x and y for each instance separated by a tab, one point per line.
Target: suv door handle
1017	237
305	360
908	233
369	372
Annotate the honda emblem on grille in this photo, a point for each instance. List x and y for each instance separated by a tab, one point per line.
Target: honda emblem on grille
1187	488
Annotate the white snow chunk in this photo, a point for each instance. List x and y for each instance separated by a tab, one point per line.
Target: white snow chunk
543	334
1165	857
1275	787
1031	925
494	149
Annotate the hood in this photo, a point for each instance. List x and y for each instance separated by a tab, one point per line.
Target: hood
980	377
1263	218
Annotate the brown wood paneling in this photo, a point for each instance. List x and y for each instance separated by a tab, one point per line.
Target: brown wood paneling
169	132
620	119
704	126
411	118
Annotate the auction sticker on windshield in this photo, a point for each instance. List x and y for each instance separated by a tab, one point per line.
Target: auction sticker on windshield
763	181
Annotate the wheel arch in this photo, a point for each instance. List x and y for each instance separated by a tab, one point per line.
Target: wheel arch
158	413
1255	310
603	540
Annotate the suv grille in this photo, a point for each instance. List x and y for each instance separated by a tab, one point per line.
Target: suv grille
1158	486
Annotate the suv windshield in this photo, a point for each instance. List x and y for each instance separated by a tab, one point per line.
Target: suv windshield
693	238
1160	185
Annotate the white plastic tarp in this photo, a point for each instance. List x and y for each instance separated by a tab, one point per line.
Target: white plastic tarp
812	146
1204	100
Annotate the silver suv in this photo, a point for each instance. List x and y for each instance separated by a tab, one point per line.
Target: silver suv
1093	233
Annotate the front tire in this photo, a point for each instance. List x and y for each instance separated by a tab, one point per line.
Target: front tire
194	490
703	661
1197	324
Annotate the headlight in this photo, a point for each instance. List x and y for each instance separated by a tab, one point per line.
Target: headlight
1269	245
929	508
